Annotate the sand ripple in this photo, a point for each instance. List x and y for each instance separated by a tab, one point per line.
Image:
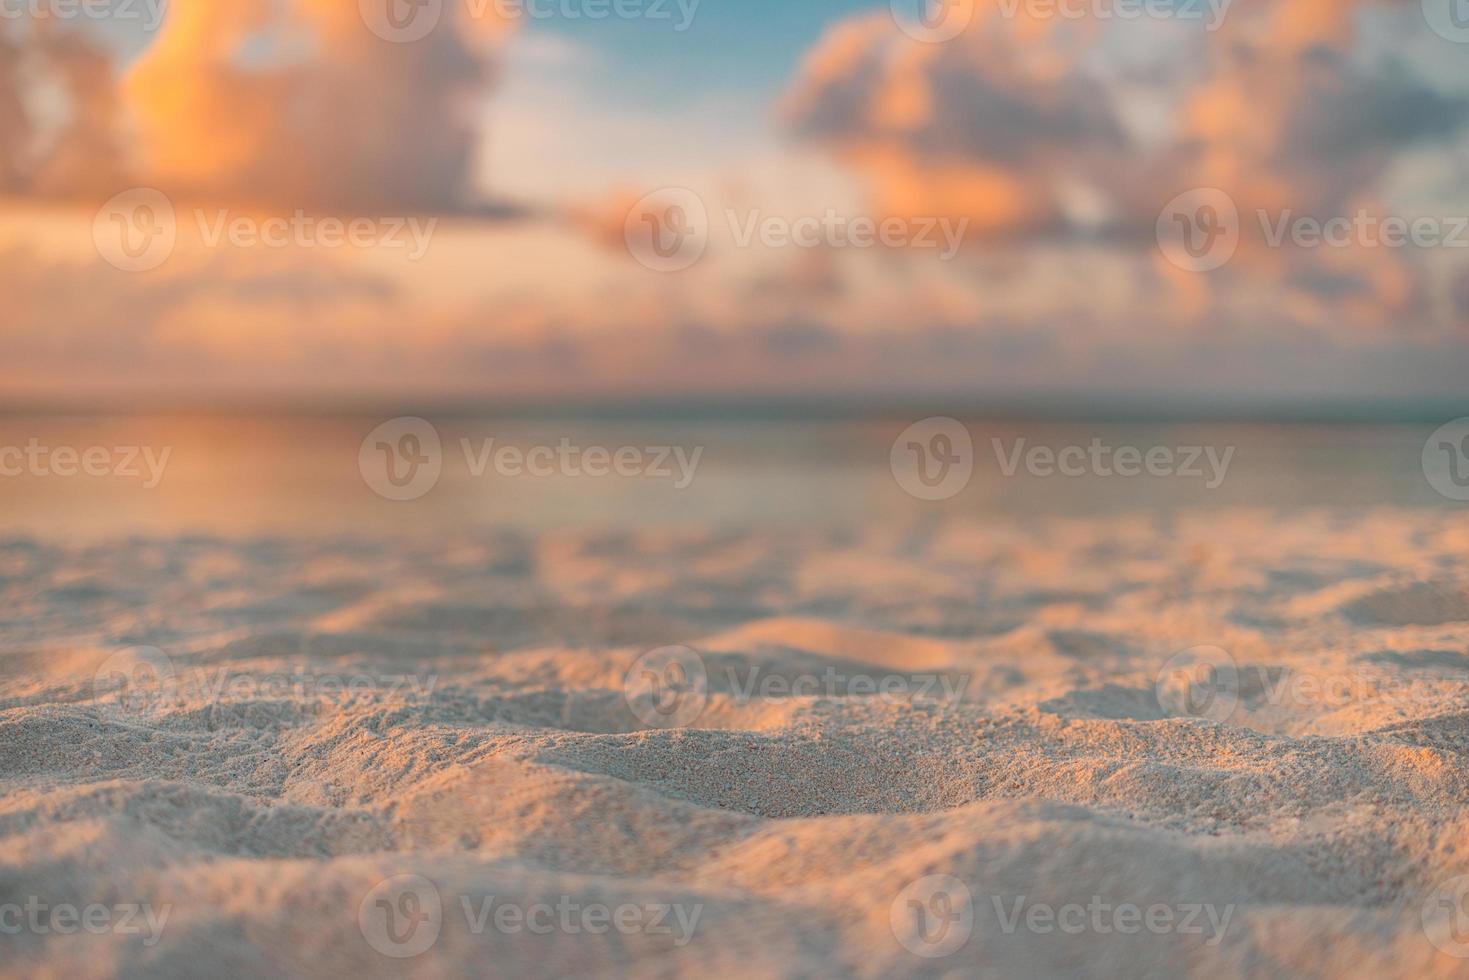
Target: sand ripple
875	708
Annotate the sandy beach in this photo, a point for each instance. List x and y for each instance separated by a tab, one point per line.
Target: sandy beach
765	488
1223	744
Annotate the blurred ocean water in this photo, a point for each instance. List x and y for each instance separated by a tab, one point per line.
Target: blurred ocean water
287	475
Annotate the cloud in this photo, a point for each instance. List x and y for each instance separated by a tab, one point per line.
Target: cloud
1028	126
1059	145
283	105
83	157
15	127
983	127
1289	116
1057	129
351	121
546	315
74	150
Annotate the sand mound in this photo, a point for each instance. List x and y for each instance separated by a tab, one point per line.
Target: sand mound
1215	747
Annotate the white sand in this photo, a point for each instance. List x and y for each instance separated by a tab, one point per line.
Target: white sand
1317	829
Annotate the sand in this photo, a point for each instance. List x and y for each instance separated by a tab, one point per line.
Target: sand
1224	744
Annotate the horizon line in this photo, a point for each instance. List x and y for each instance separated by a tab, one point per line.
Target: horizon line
1078	408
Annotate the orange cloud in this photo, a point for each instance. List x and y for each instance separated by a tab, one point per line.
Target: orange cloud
293	104
77	153
1022	126
336	117
983	127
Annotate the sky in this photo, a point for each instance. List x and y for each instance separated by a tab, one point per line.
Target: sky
1205	205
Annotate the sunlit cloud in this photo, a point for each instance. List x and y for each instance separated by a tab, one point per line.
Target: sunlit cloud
1052	144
